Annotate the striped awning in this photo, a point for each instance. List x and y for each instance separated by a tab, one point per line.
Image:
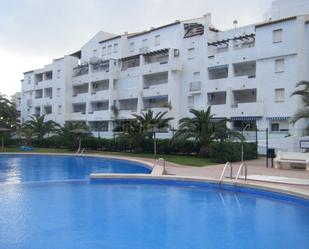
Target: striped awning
253	118
278	118
156	97
218	67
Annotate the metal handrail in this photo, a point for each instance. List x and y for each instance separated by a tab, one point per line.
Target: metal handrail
224	169
158	161
242	166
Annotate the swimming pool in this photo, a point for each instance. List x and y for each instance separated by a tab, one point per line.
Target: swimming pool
146	214
28	168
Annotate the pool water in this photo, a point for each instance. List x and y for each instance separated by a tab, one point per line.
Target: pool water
28	168
145	215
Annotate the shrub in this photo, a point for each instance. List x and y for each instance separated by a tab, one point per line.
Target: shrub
231	152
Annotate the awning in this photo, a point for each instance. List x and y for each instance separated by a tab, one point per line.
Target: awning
253	118
156	97
218	67
160	51
278	118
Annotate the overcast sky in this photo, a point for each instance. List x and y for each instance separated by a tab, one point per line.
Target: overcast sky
33	32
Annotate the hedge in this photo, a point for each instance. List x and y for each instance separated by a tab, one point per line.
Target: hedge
221	151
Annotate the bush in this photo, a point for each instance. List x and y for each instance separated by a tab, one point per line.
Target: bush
231	152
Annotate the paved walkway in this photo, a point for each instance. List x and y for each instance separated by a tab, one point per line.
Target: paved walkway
255	167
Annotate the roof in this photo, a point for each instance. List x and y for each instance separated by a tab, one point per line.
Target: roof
275	21
77	54
110	39
28	72
154	29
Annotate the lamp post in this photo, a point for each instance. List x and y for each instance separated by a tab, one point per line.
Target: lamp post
79	133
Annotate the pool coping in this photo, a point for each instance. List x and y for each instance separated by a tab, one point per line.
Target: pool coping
157	174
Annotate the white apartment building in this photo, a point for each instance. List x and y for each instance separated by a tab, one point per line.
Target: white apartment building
246	74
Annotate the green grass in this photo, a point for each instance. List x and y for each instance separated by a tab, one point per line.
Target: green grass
195	161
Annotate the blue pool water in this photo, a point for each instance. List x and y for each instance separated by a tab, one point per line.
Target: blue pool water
27	168
145	215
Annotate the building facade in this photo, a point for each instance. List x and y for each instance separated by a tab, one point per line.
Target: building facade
246	74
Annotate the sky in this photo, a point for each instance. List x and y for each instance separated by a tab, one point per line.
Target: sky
34	32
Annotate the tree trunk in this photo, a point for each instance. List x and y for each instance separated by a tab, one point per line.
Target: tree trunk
204	151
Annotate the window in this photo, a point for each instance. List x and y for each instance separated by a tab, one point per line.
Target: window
279	65
116	48
145	42
131	46
191	53
104	51
109	49
274	127
279	95
157	40
277	35
29	80
196	76
190	101
94	52
58	73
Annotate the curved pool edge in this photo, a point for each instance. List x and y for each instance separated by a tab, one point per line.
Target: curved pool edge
248	187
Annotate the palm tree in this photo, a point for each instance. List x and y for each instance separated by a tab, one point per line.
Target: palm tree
149	121
8	113
69	138
203	128
304	93
134	132
40	127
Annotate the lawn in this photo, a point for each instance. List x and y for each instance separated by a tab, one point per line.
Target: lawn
195	161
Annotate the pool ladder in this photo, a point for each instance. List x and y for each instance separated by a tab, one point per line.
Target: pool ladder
243	169
157	163
80	151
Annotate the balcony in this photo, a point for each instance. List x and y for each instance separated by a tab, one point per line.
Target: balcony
245	69
216	98
128	105
155	102
99	106
80	89
97	86
79	108
218	72
247	110
244	96
38	94
48	93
